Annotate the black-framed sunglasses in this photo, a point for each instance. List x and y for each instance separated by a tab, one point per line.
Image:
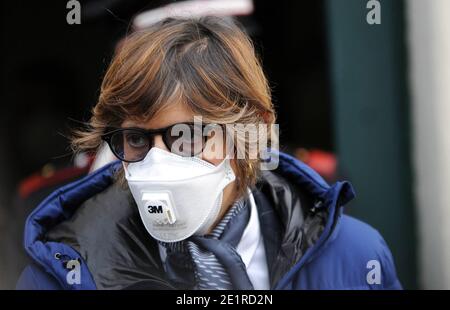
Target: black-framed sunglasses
133	144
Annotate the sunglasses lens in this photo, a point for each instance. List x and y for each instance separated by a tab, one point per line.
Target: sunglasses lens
130	145
185	139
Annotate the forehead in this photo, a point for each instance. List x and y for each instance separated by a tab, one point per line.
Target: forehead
171	114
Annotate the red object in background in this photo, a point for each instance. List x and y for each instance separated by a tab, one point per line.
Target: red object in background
50	176
324	163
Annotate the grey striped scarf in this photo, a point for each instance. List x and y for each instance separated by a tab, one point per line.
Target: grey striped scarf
209	272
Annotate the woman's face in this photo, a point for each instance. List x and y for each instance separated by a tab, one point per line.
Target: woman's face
214	151
180	113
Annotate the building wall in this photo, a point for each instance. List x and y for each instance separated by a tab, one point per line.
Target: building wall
429	54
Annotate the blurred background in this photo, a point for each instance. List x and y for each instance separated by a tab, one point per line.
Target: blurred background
368	102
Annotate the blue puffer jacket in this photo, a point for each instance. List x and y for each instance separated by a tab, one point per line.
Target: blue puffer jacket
309	242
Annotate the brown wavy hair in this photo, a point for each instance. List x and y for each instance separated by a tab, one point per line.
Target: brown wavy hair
208	63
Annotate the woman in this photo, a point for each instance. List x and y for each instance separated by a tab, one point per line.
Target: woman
184	207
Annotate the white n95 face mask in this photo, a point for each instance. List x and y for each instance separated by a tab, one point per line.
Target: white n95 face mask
177	196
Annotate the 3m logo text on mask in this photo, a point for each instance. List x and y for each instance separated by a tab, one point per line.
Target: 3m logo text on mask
155	209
